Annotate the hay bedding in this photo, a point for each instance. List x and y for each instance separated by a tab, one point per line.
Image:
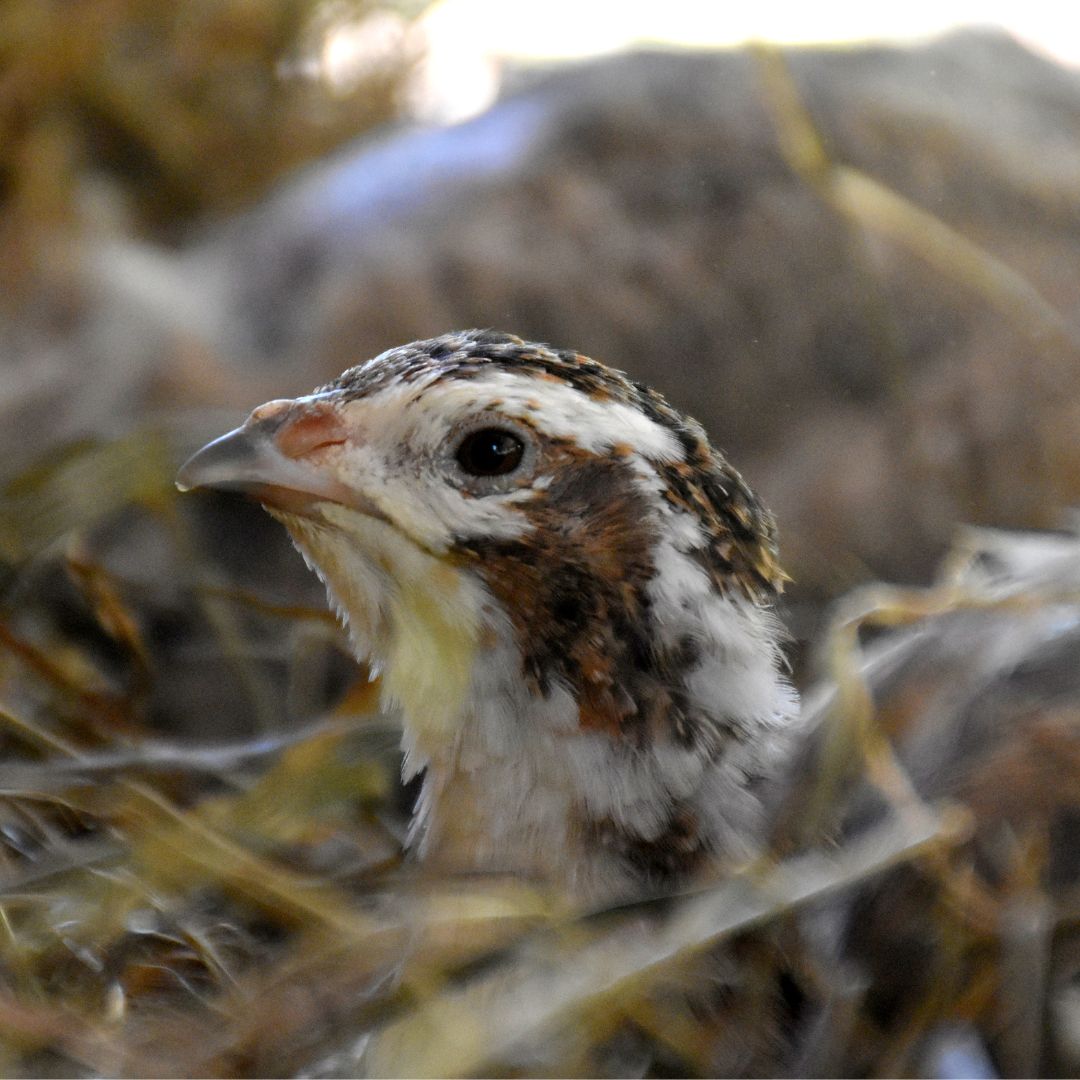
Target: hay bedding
176	904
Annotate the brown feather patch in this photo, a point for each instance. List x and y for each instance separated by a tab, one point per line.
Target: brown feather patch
574	587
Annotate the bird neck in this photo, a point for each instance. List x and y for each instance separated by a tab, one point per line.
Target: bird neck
526	785
621	756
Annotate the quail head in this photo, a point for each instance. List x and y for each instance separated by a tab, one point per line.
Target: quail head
565	590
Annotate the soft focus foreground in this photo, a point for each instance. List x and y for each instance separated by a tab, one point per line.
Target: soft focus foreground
240	908
858	268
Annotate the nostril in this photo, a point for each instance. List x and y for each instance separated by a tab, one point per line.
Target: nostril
312	427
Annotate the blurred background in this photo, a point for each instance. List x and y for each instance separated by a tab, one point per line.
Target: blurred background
846	239
203	209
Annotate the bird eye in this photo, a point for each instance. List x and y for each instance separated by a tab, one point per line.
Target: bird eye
490	452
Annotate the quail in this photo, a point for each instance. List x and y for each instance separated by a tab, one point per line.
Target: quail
566	592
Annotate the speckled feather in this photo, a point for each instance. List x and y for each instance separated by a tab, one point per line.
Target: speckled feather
742	538
583	652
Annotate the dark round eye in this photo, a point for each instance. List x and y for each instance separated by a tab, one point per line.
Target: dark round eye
490	452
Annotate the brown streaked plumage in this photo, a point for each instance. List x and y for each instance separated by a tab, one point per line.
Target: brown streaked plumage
567	590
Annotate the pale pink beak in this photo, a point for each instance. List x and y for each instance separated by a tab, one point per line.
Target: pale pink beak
274	456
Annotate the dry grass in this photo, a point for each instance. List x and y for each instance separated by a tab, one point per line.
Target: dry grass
174	906
149	116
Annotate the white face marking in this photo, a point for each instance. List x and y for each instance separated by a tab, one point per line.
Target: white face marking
405	435
594	425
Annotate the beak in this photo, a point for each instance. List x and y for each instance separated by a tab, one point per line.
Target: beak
274	456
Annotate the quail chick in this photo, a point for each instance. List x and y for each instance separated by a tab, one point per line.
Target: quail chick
566	592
